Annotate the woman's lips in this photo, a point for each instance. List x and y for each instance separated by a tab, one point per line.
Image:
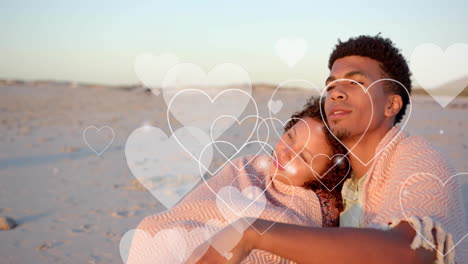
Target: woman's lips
277	165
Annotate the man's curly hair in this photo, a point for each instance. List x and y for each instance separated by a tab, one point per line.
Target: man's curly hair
337	175
392	63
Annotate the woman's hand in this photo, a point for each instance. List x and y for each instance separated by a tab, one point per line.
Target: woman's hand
230	245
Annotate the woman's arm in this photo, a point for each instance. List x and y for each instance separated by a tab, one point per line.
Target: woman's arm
338	245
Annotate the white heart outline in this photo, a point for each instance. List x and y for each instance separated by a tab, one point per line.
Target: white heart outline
444	185
262	143
229	160
262	194
280	86
329	158
97	131
370	119
247	142
212	100
247	163
168	86
410	104
284	211
238	122
320	177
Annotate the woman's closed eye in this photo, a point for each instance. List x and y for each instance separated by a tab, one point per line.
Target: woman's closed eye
301	155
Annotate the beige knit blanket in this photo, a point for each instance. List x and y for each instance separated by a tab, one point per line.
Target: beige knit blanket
171	236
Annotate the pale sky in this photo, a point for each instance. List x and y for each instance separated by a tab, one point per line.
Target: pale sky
97	41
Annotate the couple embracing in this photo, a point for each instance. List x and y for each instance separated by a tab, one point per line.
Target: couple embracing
386	197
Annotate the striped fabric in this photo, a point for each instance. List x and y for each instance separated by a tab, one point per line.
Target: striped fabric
412	167
409	165
284	203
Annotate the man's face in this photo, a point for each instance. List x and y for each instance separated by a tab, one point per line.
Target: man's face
348	107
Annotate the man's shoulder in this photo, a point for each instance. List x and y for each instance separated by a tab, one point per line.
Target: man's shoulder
416	144
416	154
399	143
407	144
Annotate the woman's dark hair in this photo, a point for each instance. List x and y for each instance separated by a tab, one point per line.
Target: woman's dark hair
336	176
392	63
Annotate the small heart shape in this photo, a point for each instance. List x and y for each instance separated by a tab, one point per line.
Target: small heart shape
275	106
291	51
337	160
94	137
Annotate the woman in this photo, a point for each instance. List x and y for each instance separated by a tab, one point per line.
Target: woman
300	184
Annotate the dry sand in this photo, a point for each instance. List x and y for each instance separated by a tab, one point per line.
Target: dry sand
73	206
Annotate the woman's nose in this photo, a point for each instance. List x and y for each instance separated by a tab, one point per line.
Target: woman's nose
285	153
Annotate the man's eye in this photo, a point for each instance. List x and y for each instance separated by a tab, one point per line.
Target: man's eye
330	88
289	135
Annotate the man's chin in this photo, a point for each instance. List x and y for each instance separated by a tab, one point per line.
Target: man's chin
340	131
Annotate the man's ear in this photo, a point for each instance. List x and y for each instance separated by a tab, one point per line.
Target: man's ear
393	105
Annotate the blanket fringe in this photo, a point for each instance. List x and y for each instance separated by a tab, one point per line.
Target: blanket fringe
425	239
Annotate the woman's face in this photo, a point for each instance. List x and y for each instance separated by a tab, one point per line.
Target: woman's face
300	152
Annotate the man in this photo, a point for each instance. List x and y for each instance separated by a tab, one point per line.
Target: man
397	208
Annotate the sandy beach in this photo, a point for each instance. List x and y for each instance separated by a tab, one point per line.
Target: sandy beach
73	206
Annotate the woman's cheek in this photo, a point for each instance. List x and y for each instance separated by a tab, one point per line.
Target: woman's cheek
292	169
279	146
297	174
